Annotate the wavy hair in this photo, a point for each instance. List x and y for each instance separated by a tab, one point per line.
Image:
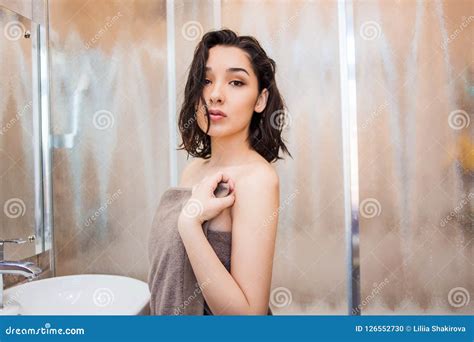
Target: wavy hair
265	128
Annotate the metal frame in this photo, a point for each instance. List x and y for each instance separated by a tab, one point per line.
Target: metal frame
217	14
46	137
37	12
37	131
350	151
171	72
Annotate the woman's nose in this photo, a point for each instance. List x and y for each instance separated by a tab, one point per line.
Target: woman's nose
216	95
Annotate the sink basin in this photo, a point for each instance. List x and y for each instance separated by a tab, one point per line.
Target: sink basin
85	294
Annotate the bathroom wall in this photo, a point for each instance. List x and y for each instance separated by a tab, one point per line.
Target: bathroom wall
109	93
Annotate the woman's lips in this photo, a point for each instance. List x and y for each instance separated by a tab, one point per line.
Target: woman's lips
216	115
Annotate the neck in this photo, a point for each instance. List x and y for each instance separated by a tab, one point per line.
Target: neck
230	150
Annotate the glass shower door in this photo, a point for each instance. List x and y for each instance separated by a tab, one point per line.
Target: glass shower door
415	105
20	138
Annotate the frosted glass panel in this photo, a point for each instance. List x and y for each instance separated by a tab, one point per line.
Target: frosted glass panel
415	105
17	134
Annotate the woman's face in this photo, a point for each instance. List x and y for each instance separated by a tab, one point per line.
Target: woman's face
231	87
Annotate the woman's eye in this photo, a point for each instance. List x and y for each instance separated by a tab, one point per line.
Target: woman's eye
237	83
206	81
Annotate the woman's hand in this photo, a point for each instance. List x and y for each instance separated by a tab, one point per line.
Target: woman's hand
203	205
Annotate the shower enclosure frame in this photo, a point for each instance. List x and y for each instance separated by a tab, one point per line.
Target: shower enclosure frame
37	12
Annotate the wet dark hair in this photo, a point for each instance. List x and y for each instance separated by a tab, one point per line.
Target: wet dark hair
265	127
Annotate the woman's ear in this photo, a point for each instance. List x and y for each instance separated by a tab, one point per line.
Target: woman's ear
261	101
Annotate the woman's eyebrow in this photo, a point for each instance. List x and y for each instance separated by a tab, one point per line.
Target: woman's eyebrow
237	70
231	70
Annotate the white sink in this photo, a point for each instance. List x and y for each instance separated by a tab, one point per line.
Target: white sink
85	294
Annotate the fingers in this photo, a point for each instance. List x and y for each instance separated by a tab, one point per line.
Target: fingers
225	202
231	186
229	200
220	177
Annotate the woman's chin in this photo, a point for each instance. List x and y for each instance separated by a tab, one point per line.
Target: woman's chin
217	132
217	135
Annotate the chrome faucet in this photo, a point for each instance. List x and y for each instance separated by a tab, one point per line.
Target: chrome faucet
27	269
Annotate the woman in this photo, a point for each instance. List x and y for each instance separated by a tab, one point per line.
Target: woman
231	121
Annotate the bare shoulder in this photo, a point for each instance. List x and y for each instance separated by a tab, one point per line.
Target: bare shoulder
258	175
257	194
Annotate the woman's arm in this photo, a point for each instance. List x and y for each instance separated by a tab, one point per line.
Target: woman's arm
246	290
